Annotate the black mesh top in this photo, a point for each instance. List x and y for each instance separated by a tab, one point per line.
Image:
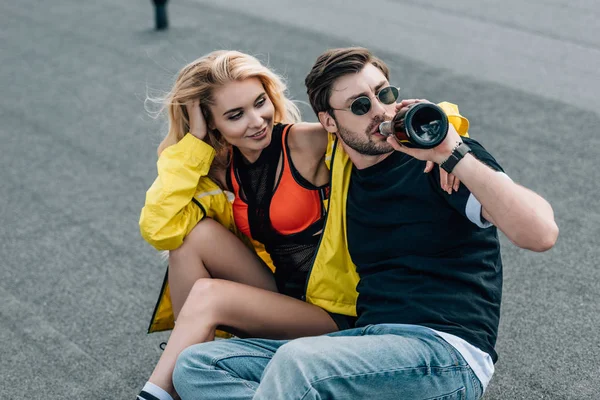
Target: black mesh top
291	254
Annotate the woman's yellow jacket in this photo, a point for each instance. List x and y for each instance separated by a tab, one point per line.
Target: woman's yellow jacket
182	195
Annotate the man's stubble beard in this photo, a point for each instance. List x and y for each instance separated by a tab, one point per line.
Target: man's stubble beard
363	143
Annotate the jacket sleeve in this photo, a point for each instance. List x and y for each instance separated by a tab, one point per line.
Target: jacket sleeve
461	124
171	211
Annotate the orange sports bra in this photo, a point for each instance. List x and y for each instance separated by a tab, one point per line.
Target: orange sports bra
295	204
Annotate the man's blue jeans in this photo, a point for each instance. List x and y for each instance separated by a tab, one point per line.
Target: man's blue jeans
376	362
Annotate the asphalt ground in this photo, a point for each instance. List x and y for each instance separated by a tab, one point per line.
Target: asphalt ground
78	151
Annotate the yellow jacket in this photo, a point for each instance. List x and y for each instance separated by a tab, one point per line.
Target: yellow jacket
179	198
182	195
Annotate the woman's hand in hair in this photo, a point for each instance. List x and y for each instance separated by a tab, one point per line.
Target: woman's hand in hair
198	126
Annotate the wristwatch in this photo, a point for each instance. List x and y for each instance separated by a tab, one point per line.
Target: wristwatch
459	151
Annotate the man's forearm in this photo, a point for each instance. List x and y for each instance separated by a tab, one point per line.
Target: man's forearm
522	215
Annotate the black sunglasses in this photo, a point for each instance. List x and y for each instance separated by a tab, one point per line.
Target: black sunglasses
361	105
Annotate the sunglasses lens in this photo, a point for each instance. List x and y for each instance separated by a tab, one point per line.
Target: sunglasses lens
361	106
388	95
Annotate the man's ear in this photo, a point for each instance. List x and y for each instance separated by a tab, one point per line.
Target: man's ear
327	121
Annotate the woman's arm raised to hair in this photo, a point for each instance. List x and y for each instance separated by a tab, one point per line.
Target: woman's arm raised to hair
170	212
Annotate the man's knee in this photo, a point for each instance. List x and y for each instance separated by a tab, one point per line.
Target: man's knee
293	369
300	353
186	367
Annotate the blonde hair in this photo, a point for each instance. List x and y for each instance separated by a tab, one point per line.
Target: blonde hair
199	79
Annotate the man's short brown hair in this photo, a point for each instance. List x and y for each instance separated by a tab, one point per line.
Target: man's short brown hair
333	64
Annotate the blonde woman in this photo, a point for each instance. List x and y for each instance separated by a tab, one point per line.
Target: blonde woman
231	127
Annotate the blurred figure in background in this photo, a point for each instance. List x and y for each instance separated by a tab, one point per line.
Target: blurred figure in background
160	14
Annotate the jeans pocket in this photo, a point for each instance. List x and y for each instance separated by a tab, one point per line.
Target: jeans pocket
459	394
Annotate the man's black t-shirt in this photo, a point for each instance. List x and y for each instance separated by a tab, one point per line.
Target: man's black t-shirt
421	260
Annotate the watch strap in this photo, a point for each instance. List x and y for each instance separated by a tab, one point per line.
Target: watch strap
459	151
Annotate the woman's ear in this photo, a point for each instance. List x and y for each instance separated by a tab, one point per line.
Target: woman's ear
327	121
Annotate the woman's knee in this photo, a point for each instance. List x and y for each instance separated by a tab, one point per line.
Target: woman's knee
205	231
203	299
200	238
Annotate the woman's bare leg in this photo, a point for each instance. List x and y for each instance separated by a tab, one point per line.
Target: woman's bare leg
254	311
212	251
209	251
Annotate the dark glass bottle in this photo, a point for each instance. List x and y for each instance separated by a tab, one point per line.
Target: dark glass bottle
424	126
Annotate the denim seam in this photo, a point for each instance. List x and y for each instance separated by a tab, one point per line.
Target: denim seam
462	391
425	367
372	329
476	382
228	374
312	383
452	350
218	359
232	378
310	389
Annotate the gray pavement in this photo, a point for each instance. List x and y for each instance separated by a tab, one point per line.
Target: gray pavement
78	151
